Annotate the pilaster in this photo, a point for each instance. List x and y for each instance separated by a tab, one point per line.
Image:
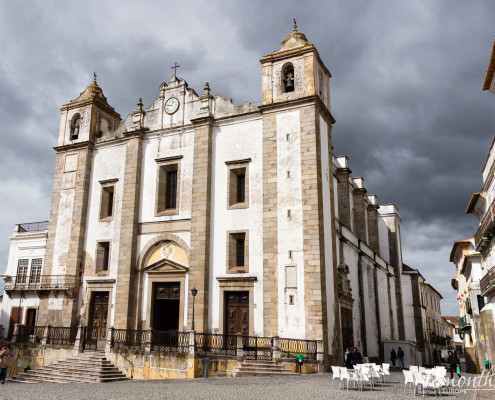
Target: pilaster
126	292
200	222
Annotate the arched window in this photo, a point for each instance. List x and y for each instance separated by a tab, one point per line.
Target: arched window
288	78
75	125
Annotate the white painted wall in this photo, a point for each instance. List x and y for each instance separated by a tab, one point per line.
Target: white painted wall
235	141
291	318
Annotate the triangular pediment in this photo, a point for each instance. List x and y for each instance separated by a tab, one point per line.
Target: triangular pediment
166	266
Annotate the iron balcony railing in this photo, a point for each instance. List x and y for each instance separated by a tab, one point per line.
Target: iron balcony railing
43	282
486	225
464	322
487	283
33	226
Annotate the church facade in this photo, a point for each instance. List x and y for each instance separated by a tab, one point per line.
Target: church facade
247	205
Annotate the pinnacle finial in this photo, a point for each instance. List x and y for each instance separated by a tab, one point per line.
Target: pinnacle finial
94	77
295	24
140	104
206	89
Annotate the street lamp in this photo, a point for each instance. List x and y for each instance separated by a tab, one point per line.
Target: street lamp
21	293
194	292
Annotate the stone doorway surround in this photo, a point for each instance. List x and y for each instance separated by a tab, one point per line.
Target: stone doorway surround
99	285
236	284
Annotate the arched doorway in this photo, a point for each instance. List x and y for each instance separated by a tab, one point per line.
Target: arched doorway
166	268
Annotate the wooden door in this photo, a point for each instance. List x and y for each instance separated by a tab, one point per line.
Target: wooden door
98	316
347	331
14	319
237	313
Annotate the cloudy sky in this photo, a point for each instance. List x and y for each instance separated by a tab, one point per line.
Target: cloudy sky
406	92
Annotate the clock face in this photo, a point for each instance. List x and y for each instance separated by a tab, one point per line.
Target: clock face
172	105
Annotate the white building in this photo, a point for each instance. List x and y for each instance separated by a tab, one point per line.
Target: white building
246	204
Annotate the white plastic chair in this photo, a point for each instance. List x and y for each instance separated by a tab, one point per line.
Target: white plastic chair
347	376
426	382
386	370
408	378
375	373
413	368
440	375
336	375
365	377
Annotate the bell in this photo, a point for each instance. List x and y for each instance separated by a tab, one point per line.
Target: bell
290	83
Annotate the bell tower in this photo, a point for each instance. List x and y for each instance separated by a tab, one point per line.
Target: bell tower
295	71
298	197
82	121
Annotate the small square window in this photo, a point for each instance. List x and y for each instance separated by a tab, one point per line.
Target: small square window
102	256
237	252
107	202
168	188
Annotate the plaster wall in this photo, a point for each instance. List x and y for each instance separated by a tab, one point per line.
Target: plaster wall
234	142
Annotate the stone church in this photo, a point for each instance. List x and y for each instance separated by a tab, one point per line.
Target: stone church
245	206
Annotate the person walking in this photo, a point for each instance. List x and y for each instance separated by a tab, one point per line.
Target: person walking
400	356
393	357
454	362
4	352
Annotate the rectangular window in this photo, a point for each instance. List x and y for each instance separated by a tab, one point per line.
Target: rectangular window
36	266
107	201
168	186
102	256
22	269
237	251
238	184
171	190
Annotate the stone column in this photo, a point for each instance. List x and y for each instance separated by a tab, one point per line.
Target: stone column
360	206
276	349
373	232
78	344
240	348
192	359
126	293
343	175
270	225
199	262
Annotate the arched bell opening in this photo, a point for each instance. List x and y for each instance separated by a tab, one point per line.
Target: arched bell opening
75	126
288	81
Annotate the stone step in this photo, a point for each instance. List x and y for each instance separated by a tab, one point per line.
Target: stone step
90	367
239	374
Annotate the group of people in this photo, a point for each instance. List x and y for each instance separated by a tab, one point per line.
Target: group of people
399	356
352	357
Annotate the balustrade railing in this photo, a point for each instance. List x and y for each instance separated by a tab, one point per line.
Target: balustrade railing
487	283
173	342
257	347
486	222
205	344
216	344
60	335
129	339
46	282
290	348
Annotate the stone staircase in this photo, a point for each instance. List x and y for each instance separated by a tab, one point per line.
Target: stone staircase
258	368
89	367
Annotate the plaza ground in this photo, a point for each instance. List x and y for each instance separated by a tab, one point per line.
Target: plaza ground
318	386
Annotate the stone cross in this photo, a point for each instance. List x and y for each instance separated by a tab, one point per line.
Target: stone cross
175	68
295	24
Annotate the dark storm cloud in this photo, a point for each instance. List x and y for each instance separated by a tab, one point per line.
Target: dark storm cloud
406	92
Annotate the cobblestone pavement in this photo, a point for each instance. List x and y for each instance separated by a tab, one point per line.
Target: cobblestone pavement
275	387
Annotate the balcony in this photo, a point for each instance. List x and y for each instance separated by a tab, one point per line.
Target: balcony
465	325
44	282
32	227
487	283
486	228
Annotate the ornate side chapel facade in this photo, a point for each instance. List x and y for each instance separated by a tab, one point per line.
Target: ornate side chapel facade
246	204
